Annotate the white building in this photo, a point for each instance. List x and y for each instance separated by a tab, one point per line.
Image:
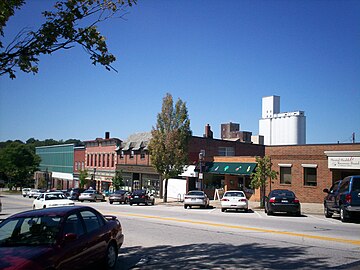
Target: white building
287	128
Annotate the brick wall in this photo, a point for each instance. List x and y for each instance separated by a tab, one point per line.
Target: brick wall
306	154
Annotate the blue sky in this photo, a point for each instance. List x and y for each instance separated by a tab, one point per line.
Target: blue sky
220	57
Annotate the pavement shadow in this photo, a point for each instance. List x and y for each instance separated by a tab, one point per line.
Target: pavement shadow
219	256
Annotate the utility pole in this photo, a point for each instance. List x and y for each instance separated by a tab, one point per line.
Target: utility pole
353	137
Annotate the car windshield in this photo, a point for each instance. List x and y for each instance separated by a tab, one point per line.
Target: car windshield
89	191
120	192
138	192
282	193
29	231
234	194
198	193
55	196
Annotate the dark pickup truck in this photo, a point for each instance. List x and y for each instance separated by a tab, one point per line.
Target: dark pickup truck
343	198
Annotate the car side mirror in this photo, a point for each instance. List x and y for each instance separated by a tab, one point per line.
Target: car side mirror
70	237
326	190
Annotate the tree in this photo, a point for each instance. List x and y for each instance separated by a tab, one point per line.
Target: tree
262	173
83	174
117	180
18	162
168	146
61	30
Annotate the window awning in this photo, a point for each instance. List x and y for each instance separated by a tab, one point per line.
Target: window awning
236	168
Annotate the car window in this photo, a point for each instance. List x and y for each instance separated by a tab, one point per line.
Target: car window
234	194
73	225
334	187
120	192
356	184
282	193
91	220
344	186
55	196
139	192
197	193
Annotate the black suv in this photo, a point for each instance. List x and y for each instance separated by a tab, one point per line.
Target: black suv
141	196
75	193
343	198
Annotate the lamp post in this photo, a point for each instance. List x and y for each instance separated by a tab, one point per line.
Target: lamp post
201	158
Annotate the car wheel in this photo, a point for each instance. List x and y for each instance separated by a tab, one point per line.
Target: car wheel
153	202
185	206
130	204
44	206
223	209
327	212
269	213
81	200
344	215
34	207
111	257
246	210
111	202
126	201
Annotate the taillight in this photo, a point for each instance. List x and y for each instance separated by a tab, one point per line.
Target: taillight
272	200
225	200
296	200
143	196
348	198
242	200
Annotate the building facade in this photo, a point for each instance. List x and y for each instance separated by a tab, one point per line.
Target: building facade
79	164
308	169
56	167
287	128
101	160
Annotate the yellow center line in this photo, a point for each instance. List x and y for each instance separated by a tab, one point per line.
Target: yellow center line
212	224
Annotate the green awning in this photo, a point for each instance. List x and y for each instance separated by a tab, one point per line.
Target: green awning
236	168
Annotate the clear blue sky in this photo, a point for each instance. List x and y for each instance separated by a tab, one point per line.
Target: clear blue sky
220	57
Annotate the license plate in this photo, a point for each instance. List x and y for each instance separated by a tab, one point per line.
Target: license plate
136	197
284	201
193	199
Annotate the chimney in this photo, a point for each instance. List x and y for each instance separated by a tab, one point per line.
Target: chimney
208	132
107	135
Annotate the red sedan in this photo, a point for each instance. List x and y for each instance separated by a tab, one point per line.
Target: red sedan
59	238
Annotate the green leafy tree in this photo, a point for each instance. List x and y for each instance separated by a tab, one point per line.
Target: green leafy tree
83	174
71	22
18	162
169	143
118	180
262	174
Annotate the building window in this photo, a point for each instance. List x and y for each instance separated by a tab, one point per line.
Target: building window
95	161
226	151
82	165
142	154
132	154
112	160
310	176
87	160
103	160
285	175
122	154
107	160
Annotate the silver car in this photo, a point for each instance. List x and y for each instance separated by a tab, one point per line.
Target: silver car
196	198
91	195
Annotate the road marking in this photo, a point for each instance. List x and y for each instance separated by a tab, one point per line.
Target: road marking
324	219
256	212
302	235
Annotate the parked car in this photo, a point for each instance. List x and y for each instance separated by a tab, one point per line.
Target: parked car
196	198
234	199
91	195
120	196
282	200
51	199
33	193
25	191
343	198
73	237
75	193
141	196
0	206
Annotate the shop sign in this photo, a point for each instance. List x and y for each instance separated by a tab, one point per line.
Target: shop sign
344	162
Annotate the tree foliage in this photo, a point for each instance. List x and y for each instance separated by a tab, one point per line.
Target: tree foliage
169	143
263	172
83	181
61	30
18	162
117	180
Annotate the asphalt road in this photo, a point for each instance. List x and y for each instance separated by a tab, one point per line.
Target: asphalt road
171	237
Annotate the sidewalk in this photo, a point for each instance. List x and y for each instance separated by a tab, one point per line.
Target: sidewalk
306	208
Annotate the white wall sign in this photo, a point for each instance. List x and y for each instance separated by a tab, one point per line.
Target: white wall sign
344	162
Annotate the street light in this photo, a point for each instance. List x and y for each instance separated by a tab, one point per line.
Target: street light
201	158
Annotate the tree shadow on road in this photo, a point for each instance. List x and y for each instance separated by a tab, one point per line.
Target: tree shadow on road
219	256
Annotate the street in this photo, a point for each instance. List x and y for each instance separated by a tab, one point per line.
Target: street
166	236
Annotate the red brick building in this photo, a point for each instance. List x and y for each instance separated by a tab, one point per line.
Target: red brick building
79	163
308	169
101	160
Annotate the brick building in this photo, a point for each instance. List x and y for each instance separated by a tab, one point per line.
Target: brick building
308	169
101	160
79	163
